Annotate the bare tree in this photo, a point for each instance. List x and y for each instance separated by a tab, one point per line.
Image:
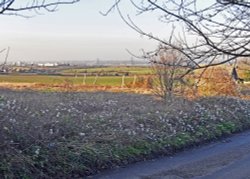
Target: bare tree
169	67
3	66
210	32
27	8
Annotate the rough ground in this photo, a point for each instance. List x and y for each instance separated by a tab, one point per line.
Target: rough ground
228	158
73	135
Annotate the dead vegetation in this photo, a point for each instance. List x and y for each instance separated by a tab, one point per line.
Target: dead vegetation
217	82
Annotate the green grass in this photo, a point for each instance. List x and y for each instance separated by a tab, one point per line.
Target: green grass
44	79
112	70
247	75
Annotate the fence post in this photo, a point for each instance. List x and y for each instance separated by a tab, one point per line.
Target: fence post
84	79
134	81
123	81
95	79
75	74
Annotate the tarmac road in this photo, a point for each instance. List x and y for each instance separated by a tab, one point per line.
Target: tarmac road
226	159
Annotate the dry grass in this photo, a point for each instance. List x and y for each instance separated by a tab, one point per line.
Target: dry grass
73	88
217	81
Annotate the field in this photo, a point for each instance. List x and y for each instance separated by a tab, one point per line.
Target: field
109	78
50	79
50	134
72	135
119	76
112	70
116	79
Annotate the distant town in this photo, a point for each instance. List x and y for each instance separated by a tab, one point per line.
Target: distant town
80	63
54	67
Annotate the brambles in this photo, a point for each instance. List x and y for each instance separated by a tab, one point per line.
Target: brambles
217	82
72	135
144	82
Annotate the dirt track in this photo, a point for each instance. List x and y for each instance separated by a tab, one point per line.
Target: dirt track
228	158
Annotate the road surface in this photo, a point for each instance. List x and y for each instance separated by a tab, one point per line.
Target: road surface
228	158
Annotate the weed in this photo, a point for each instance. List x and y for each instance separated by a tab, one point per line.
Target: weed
72	135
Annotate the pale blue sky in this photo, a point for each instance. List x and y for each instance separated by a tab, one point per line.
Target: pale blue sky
75	32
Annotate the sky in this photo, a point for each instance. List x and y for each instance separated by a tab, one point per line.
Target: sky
76	33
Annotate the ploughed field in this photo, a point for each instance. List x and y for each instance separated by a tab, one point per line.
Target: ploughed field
71	135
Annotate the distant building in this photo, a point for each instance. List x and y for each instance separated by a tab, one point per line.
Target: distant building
19	63
47	64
